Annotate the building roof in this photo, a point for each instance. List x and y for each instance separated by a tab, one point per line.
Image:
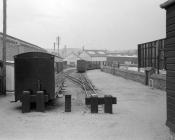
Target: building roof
129	56
167	4
74	55
21	41
96	53
56	54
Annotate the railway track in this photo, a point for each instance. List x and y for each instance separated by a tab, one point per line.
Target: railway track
82	80
93	99
59	81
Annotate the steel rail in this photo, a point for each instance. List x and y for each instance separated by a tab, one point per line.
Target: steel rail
82	81
89	85
77	81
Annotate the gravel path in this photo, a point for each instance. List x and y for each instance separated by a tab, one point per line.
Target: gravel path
139	115
140	112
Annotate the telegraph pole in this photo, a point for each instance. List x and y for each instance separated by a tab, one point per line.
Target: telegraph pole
4	45
54	46
58	43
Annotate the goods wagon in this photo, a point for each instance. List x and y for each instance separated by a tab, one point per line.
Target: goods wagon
81	66
91	65
36	78
64	64
59	67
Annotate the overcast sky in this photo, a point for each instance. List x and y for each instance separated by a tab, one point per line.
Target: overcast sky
95	24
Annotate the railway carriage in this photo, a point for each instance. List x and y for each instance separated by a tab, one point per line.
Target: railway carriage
36	73
83	65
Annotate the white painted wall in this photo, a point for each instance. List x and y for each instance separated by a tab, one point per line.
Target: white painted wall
85	56
99	58
10	82
71	59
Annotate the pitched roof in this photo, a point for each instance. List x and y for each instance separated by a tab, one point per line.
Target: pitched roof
167	4
56	54
119	55
16	40
96	53
74	55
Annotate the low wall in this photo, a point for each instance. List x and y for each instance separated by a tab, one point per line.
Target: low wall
10	76
159	81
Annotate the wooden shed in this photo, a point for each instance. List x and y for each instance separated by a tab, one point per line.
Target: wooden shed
169	6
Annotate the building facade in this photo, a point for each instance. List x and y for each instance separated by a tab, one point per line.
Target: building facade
94	55
123	59
72	59
15	46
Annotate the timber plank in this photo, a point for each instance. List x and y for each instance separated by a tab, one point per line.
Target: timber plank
170	47
170	60
170	28
171	94
169	54
171	21
170	73
170	41
171	106
171	34
170	12
170	79
170	67
170	86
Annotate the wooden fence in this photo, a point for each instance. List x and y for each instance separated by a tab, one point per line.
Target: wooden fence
151	54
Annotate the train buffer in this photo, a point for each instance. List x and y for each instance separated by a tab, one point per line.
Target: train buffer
39	98
107	101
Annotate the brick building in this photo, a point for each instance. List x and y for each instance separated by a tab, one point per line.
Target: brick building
94	55
72	59
16	46
123	59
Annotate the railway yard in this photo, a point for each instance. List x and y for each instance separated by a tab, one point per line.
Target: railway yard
93	82
140	112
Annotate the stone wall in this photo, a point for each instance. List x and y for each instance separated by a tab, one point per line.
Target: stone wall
159	81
